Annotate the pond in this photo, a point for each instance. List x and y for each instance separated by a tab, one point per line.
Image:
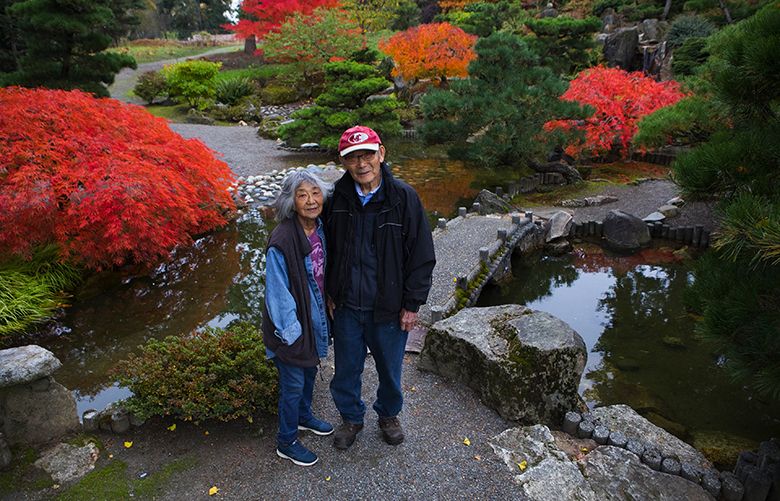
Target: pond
642	349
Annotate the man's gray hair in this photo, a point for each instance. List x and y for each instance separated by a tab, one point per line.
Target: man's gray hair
285	202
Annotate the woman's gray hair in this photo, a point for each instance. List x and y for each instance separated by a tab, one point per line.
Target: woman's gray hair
285	202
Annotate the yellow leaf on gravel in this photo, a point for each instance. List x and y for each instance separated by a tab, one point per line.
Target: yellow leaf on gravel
206	432
466	441
327	479
128	445
172	427
213	490
522	465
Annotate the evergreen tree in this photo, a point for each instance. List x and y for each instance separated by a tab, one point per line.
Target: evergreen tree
495	117
10	38
344	103
65	43
736	287
566	44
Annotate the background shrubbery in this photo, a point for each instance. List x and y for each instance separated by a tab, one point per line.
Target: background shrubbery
210	374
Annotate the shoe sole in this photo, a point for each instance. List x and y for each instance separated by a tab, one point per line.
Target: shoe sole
316	432
295	461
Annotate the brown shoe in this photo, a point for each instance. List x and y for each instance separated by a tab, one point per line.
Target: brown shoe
346	434
391	430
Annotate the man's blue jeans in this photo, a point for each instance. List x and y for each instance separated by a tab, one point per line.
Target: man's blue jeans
296	386
353	331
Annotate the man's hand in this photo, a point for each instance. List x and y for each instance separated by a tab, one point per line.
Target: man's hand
408	320
331	307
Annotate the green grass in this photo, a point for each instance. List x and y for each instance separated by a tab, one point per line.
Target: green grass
584	189
22	476
151	53
112	482
260	73
175	113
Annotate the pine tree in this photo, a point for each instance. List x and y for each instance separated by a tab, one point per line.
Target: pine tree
495	117
736	287
65	45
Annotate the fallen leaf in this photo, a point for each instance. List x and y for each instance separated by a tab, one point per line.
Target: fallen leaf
249	418
213	490
478	457
172	427
584	449
466	441
206	432
327	479
413	388
110	456
128	445
522	465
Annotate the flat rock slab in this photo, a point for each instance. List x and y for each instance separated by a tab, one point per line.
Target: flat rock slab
67	463
626	420
525	364
26	364
545	472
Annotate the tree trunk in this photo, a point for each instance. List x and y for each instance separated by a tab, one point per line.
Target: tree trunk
250	45
667	8
725	9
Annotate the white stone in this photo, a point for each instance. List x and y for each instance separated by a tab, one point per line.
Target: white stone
26	364
67	463
653	217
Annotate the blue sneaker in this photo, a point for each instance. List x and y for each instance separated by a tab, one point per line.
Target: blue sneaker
297	453
317	427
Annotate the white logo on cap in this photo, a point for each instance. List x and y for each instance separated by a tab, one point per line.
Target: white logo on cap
358	137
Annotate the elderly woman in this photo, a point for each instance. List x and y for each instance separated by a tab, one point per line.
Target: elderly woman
295	323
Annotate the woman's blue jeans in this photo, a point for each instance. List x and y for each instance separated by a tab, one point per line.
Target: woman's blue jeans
296	387
353	331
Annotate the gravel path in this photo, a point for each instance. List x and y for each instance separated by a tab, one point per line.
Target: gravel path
433	462
245	152
641	200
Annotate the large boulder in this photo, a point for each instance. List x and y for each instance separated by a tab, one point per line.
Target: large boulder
490	203
545	471
559	225
35	416
620	48
626	420
624	232
526	364
25	364
67	463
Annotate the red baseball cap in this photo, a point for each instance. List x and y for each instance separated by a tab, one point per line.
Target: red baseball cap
358	137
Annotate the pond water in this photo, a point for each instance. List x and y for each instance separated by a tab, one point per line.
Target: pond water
642	349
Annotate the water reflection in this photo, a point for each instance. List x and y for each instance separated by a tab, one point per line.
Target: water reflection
642	349
218	279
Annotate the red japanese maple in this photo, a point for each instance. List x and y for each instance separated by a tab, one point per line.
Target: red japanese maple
262	16
620	99
430	50
106	181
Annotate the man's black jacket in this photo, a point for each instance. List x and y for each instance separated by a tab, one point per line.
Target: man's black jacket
403	240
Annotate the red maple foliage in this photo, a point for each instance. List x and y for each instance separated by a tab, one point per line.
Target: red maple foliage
106	181
430	50
620	100
263	16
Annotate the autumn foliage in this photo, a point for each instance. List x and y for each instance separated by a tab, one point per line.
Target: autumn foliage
619	99
430	50
105	181
263	16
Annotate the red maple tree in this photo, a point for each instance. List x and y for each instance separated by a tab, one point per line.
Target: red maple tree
259	17
106	181
430	50
620	99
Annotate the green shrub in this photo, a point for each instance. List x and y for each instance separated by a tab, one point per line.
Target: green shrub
31	290
194	82
689	56
601	5
213	373
688	122
279	94
231	91
150	86
688	26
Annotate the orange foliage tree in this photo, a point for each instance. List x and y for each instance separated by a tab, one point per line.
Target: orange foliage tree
430	50
106	181
448	5
620	99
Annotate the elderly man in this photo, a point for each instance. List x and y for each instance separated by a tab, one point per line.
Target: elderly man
379	269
